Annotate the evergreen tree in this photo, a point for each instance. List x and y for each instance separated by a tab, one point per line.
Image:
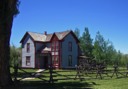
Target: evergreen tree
77	33
99	46
86	43
109	52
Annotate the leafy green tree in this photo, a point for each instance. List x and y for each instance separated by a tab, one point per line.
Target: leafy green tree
86	43
124	59
8	9
15	55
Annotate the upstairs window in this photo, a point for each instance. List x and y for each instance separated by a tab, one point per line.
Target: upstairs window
28	61
70	46
70	60
55	46
28	47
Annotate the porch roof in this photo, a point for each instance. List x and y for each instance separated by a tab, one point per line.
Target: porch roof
46	50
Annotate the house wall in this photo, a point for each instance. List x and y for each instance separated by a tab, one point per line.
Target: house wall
25	53
66	52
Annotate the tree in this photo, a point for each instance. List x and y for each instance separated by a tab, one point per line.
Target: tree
119	55
99	47
86	43
15	55
104	50
124	59
110	53
77	33
8	9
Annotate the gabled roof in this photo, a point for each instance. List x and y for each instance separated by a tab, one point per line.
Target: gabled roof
61	35
35	36
47	37
38	36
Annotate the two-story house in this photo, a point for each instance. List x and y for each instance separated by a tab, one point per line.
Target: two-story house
40	50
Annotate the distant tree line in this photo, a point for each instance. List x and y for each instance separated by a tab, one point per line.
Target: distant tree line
100	49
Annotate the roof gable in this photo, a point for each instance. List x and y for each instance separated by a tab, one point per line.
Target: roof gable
25	35
62	35
74	36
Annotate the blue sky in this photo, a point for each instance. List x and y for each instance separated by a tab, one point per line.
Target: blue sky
110	17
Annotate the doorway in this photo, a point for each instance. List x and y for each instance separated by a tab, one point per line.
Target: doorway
45	62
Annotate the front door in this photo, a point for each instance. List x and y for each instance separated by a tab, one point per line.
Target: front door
45	62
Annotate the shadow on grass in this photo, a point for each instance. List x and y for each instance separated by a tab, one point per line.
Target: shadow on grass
58	85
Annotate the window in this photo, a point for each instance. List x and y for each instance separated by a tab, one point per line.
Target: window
28	61
56	59
70	46
28	47
55	46
52	59
70	60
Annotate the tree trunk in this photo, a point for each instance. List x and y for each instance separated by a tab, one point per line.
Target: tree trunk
6	20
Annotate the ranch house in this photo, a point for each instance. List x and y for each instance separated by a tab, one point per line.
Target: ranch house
61	49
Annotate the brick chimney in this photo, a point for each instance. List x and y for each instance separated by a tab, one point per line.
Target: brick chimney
45	32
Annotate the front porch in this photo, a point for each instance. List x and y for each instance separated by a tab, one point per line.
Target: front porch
44	59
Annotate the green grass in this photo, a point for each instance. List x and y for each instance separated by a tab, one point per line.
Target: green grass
64	79
111	84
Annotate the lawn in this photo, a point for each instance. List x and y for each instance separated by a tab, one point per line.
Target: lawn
64	79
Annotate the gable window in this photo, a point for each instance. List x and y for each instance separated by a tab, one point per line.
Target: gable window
70	46
70	60
28	47
28	61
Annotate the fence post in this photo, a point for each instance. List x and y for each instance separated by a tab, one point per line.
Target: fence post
15	72
51	77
